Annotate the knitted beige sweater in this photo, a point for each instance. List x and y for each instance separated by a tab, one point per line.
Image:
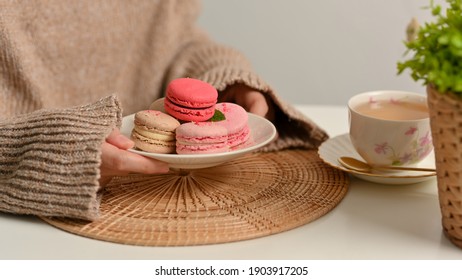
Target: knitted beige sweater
66	70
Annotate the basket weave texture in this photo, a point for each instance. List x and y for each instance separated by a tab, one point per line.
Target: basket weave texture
253	196
446	125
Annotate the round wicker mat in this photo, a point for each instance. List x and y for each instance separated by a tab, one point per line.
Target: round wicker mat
253	196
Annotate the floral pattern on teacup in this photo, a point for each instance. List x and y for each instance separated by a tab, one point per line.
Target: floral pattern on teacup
419	148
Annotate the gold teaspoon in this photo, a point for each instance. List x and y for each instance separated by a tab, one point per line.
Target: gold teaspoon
361	166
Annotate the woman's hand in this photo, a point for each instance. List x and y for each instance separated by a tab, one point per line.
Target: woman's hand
116	161
251	100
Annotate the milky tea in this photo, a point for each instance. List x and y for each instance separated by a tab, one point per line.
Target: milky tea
390	127
393	109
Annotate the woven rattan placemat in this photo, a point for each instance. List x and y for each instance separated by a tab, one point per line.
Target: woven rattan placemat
253	196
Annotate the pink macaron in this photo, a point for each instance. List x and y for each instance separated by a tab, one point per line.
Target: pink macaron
190	99
236	123
201	138
154	131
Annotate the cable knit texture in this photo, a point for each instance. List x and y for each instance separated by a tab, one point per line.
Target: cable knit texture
50	159
60	63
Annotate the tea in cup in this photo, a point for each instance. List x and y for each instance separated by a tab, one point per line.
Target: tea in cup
390	127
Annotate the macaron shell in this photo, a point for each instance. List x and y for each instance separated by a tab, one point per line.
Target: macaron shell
156	121
201	132
193	93
236	117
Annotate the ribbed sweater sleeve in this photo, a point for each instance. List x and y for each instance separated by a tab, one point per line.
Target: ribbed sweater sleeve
223	66
49	159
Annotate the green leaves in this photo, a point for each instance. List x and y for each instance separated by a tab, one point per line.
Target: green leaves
437	50
436	9
217	116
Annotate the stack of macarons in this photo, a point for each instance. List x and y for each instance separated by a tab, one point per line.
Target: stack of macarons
190	121
214	136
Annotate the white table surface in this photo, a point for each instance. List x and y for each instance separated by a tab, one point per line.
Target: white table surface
373	221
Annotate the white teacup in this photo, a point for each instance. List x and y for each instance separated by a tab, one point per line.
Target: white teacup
390	127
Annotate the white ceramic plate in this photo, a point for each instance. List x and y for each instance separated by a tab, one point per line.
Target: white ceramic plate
333	148
262	132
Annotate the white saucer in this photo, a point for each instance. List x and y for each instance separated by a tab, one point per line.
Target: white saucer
333	148
262	132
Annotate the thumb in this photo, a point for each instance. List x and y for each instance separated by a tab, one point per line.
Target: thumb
119	140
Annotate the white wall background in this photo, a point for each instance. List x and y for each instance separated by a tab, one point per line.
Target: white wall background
319	51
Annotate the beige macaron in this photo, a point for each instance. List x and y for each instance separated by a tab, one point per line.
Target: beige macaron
158	105
154	132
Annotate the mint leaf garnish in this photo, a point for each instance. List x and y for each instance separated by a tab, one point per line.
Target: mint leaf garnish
217	116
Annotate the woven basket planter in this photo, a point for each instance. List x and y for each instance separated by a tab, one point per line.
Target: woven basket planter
446	125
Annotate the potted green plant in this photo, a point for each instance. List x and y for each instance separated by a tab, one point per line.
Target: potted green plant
436	59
